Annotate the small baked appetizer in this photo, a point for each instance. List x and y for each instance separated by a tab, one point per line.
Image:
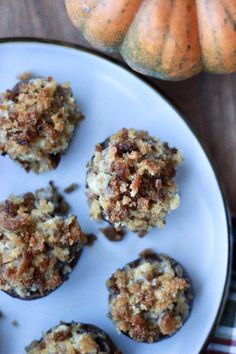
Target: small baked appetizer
130	181
37	120
74	338
38	248
150	298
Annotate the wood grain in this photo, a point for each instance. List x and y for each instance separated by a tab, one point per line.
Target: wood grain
207	101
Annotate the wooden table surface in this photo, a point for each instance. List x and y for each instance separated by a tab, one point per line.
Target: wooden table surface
207	101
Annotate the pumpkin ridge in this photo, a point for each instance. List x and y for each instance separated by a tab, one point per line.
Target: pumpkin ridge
180	66
188	36
79	12
172	62
108	33
159	63
229	16
219	56
169	39
217	35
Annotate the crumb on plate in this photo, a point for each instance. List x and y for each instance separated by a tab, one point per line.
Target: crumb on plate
71	188
90	239
112	234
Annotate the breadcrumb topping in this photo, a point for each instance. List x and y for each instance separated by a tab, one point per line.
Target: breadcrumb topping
149	298
130	181
37	247
37	121
72	339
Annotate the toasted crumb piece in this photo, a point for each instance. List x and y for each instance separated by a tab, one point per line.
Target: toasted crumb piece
73	338
37	121
90	239
150	298
73	187
25	76
112	234
147	253
130	181
15	323
38	247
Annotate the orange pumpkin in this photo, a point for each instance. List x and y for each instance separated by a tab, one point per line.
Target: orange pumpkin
168	39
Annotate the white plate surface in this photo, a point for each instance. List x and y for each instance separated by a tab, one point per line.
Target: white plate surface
196	233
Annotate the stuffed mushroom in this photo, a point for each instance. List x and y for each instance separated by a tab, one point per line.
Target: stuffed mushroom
150	298
130	181
74	338
38	247
37	121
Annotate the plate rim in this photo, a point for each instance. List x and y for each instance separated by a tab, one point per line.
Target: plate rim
146	80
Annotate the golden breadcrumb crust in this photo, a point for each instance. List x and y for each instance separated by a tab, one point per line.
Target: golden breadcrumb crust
130	181
37	121
71	339
37	247
149	299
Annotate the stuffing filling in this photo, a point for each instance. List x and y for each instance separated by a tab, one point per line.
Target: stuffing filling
149	298
37	247
130	181
37	121
72	339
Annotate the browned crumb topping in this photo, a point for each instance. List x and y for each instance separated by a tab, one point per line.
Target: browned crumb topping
130	181
37	247
73	339
73	187
149	299
37	121
112	234
90	239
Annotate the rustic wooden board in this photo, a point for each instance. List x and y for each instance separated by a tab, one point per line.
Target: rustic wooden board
207	101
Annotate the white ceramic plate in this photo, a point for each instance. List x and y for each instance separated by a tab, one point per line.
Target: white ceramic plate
196	234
